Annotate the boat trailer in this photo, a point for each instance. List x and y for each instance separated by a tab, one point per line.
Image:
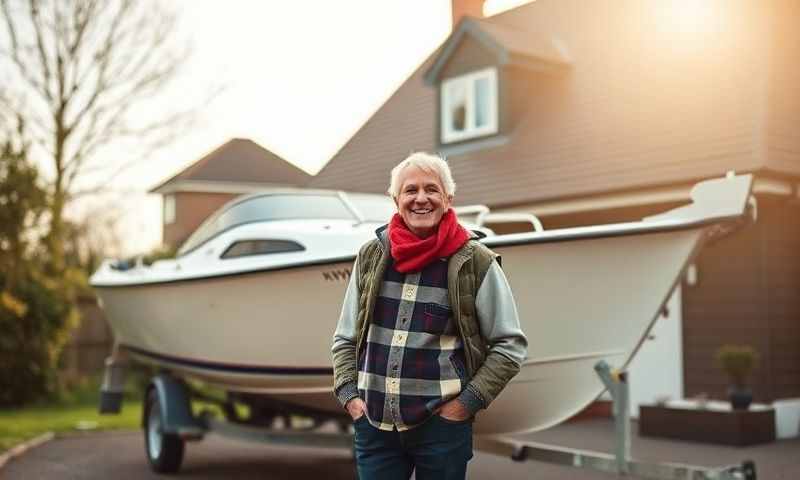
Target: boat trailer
168	422
621	461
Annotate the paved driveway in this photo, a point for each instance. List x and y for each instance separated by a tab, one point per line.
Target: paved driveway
120	456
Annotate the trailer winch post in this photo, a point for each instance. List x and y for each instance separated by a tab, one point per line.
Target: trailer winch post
616	383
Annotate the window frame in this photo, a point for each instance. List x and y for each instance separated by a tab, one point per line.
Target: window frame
448	135
169	209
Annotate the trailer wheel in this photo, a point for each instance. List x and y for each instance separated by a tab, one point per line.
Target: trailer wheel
164	451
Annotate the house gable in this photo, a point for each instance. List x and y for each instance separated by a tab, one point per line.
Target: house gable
496	44
468	56
237	166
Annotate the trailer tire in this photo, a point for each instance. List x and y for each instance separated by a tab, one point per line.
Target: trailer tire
164	450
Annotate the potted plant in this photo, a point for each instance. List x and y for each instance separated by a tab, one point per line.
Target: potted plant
738	361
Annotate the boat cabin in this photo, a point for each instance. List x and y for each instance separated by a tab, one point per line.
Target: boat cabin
265	207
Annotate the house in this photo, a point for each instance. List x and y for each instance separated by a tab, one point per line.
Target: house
587	113
237	167
600	112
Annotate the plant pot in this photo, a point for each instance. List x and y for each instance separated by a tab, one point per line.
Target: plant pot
740	397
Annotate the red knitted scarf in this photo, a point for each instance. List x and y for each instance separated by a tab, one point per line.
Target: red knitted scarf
412	254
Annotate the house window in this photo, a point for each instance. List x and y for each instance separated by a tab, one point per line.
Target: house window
169	209
244	248
469	106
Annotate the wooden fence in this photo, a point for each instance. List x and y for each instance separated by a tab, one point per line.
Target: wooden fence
89	344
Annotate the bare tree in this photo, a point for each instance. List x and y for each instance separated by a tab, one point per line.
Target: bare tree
74	71
96	233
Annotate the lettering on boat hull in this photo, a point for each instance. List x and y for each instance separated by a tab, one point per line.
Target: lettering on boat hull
338	275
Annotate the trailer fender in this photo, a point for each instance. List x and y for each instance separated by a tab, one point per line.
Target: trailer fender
175	406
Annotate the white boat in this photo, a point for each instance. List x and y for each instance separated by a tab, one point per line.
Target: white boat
252	299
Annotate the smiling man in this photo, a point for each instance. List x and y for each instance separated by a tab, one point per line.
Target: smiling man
428	334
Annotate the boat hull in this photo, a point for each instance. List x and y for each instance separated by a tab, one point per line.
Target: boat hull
580	301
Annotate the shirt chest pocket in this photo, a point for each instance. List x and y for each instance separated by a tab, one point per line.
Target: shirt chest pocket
436	319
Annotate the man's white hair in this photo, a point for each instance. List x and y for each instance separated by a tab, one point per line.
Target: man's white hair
427	163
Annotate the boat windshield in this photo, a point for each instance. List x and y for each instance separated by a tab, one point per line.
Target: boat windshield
268	207
374	208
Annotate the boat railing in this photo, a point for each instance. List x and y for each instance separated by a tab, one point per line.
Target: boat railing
484	215
350	206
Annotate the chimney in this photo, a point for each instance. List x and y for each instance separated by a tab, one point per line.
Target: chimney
460	8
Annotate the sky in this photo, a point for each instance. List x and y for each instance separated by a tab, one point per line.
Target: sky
298	77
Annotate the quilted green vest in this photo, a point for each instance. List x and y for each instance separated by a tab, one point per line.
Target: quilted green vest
466	270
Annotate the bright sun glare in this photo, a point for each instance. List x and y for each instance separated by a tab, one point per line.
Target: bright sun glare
688	16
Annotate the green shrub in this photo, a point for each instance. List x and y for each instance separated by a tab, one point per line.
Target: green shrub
737	361
36	317
37	309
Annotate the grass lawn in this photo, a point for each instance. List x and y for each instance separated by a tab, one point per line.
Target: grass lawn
74	412
16	426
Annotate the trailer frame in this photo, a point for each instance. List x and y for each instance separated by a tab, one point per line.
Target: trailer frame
173	424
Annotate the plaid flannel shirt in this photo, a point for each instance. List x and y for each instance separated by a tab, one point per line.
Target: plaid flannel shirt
413	360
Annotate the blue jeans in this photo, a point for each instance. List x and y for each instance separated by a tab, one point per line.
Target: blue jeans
438	449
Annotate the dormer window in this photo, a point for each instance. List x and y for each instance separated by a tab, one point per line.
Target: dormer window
485	73
469	106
